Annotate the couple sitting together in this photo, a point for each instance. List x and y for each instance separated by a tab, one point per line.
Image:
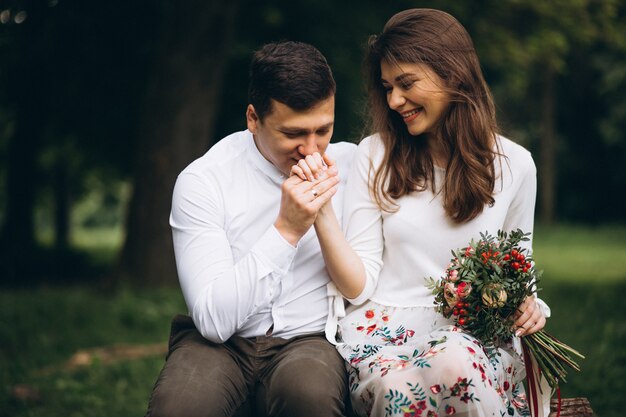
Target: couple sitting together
298	258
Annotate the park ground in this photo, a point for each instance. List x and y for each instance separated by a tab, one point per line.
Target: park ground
79	350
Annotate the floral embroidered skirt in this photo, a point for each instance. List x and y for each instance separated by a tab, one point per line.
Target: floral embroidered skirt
413	362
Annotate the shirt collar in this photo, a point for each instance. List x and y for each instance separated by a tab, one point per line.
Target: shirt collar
263	164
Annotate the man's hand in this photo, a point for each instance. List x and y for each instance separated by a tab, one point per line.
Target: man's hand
312	166
302	199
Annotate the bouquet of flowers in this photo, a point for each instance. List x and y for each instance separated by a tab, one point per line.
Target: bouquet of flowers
483	287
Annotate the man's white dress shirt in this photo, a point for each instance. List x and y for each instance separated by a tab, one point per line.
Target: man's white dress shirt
237	273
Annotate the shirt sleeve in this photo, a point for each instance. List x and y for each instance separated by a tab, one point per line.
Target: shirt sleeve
521	213
221	294
363	219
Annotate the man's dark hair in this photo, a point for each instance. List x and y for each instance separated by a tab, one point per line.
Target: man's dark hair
293	73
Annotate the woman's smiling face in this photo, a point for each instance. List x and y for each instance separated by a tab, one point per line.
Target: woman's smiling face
417	93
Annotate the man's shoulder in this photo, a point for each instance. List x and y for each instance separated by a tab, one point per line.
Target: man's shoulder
223	154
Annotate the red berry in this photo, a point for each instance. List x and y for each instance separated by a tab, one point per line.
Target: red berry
515	265
462	321
507	257
465	305
459	304
463	312
514	253
520	257
455	311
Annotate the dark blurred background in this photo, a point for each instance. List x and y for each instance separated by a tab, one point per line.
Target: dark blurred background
103	103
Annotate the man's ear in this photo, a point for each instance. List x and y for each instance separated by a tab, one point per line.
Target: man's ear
252	119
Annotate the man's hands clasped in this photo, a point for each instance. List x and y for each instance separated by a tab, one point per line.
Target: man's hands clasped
311	185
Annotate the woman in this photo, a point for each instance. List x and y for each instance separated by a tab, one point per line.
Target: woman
434	176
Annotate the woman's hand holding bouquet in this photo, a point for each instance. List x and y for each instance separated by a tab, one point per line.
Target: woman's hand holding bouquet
486	289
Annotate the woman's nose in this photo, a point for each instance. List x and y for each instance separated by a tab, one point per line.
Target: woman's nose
395	99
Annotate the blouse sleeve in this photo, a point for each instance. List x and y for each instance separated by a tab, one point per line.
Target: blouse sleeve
362	216
521	213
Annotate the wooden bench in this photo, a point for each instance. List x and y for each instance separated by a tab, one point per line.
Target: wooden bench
572	407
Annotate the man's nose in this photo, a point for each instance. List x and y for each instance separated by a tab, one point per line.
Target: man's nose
309	147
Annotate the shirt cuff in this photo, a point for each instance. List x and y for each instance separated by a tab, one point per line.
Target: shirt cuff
275	249
545	309
367	292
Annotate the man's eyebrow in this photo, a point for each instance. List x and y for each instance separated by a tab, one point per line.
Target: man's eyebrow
297	130
326	126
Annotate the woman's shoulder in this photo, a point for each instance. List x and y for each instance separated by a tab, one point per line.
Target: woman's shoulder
372	145
369	141
516	154
343	147
372	149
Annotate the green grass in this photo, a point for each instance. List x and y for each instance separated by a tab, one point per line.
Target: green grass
581	254
584	282
584	316
44	327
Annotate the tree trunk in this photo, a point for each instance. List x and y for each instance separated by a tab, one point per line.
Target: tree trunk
24	84
17	240
61	205
179	113
548	149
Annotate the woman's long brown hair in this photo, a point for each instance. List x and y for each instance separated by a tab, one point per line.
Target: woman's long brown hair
467	128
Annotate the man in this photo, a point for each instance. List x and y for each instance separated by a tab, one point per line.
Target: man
248	260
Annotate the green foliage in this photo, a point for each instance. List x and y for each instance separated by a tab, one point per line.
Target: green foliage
74	75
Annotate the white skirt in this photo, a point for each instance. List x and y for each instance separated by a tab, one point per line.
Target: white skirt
414	362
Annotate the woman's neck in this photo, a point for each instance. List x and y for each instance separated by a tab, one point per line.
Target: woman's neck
437	151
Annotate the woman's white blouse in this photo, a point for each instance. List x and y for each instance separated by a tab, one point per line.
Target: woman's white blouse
401	249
